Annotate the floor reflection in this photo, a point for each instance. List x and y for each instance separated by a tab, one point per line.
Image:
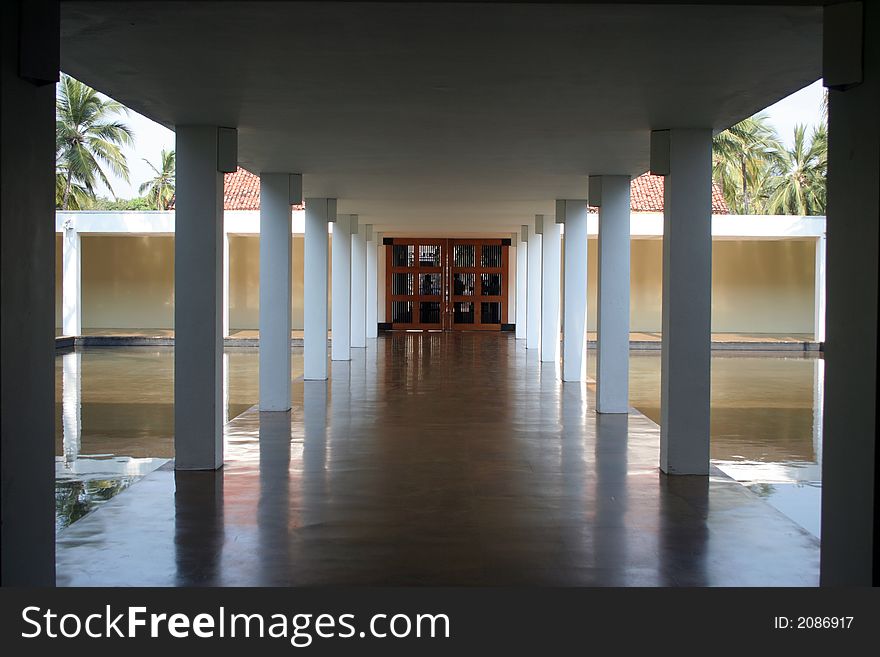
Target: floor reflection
766	422
115	418
438	460
114	411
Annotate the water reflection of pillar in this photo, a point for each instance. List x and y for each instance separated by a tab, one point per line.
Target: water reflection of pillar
198	527
273	507
818	406
610	496
315	437
71	405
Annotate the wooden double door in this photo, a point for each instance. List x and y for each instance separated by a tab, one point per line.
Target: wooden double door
446	284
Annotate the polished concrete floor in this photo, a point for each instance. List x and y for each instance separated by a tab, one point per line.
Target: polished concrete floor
437	459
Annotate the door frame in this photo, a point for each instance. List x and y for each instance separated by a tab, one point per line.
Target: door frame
447	269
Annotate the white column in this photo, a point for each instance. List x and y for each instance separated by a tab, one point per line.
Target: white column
225	284
372	285
574	335
819	290
278	191
550	279
512	279
71	280
533	300
204	153
380	278
340	314
684	156
319	211
818	407
611	194
849	460
522	284
358	284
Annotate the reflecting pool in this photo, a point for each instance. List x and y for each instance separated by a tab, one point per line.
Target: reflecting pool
114	419
766	422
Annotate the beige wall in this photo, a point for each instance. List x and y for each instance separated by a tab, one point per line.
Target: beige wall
758	286
646	278
763	286
244	282
127	282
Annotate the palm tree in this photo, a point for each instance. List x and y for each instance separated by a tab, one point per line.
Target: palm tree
160	188
800	184
78	197
741	157
87	136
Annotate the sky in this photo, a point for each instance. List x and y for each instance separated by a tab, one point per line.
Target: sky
803	106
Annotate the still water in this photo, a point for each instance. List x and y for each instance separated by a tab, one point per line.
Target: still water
766	422
114	419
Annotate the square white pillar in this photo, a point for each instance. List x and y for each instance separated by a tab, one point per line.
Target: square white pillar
574	336
522	284
204	153
849	459
684	156
611	194
358	284
71	280
551	273
278	191
340	314
380	276
533	300
819	290
225	284
319	211
372	284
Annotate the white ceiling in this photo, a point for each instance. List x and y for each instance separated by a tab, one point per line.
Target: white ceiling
460	116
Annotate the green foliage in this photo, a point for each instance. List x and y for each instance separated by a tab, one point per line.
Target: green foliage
799	187
104	204
88	140
160	188
742	156
758	175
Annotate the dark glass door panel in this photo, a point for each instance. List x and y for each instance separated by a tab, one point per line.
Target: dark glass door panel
448	284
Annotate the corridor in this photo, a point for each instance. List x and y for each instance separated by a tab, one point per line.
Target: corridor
438	459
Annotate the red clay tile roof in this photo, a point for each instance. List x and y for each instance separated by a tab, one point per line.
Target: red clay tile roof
242	192
647	195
